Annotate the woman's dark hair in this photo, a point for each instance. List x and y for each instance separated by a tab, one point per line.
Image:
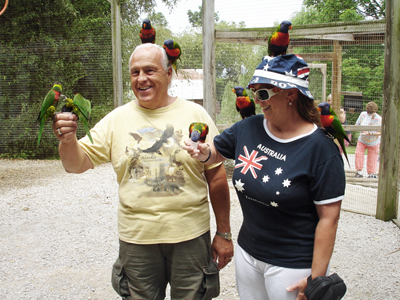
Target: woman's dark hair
307	109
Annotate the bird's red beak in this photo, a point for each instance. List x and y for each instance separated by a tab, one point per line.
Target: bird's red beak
290	27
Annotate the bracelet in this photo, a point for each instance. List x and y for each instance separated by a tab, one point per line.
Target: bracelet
209	155
225	235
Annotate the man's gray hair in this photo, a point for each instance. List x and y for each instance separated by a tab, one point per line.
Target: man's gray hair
164	57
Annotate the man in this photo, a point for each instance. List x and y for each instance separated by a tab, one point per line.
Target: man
163	214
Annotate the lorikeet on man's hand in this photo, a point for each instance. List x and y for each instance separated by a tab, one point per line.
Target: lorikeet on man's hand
49	106
82	108
244	105
332	125
147	32
278	42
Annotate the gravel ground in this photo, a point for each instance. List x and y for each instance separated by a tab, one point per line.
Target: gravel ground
58	238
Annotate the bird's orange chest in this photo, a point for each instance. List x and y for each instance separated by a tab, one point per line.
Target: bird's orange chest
326	120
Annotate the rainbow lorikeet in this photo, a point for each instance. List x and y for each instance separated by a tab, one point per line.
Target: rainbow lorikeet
82	108
332	125
173	52
278	42
244	105
49	106
197	133
147	32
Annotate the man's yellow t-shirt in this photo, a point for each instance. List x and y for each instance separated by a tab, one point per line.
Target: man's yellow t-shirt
162	190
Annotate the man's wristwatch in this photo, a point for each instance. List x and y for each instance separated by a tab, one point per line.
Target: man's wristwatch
225	235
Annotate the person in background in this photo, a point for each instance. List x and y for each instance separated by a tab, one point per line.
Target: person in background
290	181
163	211
343	119
370	140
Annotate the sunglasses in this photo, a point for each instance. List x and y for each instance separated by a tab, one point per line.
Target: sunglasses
265	94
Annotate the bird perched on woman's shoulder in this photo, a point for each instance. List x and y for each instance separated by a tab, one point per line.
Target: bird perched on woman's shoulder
244	105
278	42
147	33
173	52
332	125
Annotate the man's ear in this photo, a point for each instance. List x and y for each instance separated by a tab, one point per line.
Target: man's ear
169	73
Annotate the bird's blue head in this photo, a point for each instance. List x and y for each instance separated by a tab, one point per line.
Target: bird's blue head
324	108
169	44
146	24
238	90
285	26
195	135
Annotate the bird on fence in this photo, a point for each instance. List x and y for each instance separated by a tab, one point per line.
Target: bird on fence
244	105
147	32
49	106
278	42
332	125
173	52
82	108
197	133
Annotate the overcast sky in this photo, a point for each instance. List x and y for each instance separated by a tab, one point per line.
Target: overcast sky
255	13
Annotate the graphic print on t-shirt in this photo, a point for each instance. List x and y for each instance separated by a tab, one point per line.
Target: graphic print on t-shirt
153	160
251	161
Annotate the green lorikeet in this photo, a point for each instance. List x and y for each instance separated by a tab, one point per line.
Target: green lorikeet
49	107
278	42
332	125
173	52
147	33
244	105
82	108
197	133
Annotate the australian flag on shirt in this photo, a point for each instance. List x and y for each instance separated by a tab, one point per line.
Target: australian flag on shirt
278	183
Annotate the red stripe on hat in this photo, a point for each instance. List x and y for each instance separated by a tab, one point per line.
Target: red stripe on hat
303	71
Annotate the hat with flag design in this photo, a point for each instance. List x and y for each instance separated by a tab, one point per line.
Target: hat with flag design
284	71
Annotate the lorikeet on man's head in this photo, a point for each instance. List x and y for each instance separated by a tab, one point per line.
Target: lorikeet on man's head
244	105
49	106
173	52
147	33
278	42
332	125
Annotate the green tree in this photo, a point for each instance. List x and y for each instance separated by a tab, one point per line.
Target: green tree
333	10
195	17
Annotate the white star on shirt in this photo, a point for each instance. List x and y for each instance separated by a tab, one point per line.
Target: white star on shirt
278	193
265	179
290	73
239	185
278	171
274	204
286	183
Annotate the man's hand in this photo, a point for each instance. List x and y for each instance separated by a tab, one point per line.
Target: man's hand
65	126
222	251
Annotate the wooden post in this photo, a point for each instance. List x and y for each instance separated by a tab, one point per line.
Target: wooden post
388	191
336	76
116	51
209	85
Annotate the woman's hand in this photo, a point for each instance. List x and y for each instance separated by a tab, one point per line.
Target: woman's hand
202	153
301	286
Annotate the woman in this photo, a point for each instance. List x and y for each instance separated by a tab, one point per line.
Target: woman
290	181
370	140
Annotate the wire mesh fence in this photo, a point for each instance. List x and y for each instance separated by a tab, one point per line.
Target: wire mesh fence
42	42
